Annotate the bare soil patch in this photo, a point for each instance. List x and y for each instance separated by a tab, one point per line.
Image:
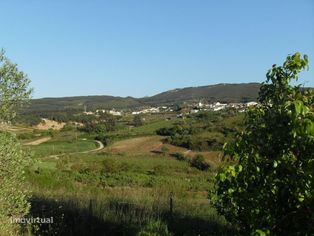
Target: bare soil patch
38	141
50	124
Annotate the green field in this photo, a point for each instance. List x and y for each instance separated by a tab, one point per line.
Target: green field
61	147
135	182
126	185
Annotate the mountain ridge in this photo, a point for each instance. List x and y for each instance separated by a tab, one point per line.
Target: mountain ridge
222	92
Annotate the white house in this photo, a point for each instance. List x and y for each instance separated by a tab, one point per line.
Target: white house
249	104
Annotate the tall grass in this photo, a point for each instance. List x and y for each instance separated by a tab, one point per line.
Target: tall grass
110	216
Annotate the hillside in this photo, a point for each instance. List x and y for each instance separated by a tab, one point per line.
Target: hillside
80	102
211	93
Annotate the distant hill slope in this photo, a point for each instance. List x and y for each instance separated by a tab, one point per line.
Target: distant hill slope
211	93
79	103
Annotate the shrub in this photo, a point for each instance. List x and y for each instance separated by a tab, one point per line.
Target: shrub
23	136
164	150
104	139
270	188
155	228
114	166
14	93
179	156
137	121
13	193
200	163
69	127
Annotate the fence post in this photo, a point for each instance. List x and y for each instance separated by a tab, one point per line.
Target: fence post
90	215
90	208
171	204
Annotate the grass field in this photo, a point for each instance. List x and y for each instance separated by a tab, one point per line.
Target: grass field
123	187
120	186
59	147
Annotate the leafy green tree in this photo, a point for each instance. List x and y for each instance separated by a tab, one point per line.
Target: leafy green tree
13	193
14	90
109	121
269	187
137	121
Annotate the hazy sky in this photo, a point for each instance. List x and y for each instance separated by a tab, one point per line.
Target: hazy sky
142	47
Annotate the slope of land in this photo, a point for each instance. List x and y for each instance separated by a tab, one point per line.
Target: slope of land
211	93
149	145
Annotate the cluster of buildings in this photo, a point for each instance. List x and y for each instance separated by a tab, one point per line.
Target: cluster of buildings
101	111
217	106
191	109
152	110
238	106
147	110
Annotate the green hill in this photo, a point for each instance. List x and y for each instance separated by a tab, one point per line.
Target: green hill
211	93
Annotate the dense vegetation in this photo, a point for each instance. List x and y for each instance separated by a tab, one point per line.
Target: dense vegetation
270	187
203	131
120	191
14	92
126	188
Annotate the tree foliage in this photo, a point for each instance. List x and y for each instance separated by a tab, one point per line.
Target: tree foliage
13	192
269	187
137	121
14	89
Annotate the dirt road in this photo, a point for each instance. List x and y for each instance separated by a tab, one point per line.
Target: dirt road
38	141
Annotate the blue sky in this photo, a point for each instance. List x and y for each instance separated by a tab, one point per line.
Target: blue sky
142	47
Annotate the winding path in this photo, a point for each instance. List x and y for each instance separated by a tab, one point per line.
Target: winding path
38	141
45	139
101	146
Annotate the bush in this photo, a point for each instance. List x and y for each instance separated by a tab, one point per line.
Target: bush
13	198
69	127
104	139
200	163
23	136
176	130
137	121
93	128
164	150
270	188
13	193
195	143
180	157
114	166
155	228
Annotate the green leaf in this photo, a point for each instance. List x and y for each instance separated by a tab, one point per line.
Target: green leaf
222	177
259	232
297	107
